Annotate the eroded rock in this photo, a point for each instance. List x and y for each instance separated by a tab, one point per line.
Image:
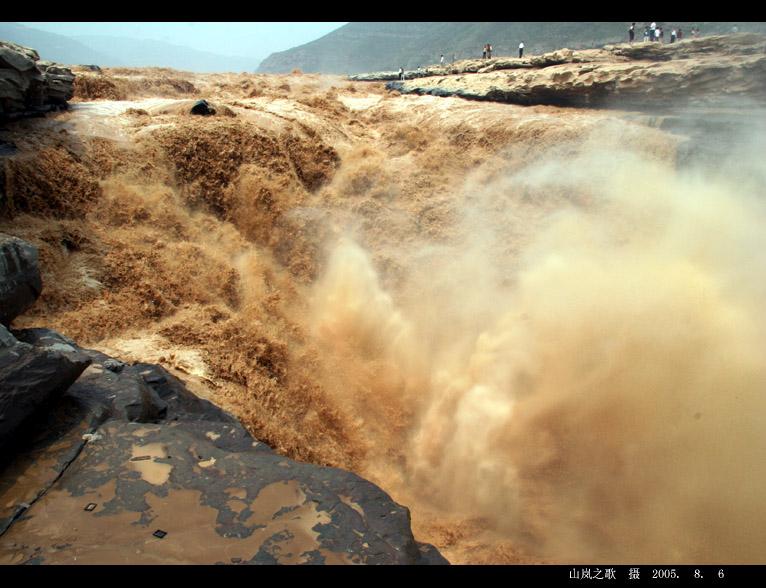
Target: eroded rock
20	282
31	375
30	86
706	71
190	487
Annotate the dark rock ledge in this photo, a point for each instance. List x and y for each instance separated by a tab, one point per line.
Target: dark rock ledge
105	462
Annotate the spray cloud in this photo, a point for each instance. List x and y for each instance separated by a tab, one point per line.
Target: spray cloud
583	366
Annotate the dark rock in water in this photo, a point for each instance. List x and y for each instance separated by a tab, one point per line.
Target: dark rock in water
29	86
31	375
7	149
203	108
217	494
20	282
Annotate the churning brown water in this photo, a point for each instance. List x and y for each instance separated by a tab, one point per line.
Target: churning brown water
529	325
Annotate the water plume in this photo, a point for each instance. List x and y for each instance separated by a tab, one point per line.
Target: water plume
589	383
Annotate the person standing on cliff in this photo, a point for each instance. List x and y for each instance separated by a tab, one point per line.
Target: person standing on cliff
673	36
484	52
646	34
441	60
632	33
680	34
401	74
489	51
521	49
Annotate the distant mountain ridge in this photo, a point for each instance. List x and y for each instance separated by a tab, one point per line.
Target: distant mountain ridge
112	51
148	52
374	46
51	46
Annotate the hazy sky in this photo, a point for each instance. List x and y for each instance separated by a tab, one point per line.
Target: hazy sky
247	39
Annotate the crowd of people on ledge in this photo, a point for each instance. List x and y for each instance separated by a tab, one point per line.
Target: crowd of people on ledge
652	33
656	34
487	51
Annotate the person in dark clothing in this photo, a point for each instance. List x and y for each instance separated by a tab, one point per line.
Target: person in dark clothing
489	51
521	49
680	34
484	53
632	33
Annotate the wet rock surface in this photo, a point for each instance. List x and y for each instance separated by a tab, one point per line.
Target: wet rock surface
187	484
705	71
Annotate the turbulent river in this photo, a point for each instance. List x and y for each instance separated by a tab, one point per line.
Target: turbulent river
540	329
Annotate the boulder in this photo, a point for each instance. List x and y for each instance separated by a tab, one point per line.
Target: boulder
29	86
30	376
20	282
202	108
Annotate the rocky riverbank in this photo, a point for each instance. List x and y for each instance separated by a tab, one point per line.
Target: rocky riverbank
706	71
30	86
106	462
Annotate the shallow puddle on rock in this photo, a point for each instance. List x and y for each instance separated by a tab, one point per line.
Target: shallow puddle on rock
348	501
143	461
236	506
240	493
59	530
274	497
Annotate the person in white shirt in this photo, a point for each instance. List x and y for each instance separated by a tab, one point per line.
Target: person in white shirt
521	49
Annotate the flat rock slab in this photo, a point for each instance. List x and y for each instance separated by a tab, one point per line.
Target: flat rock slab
215	506
187	484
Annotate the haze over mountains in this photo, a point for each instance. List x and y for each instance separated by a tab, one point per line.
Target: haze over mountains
372	46
353	48
111	51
